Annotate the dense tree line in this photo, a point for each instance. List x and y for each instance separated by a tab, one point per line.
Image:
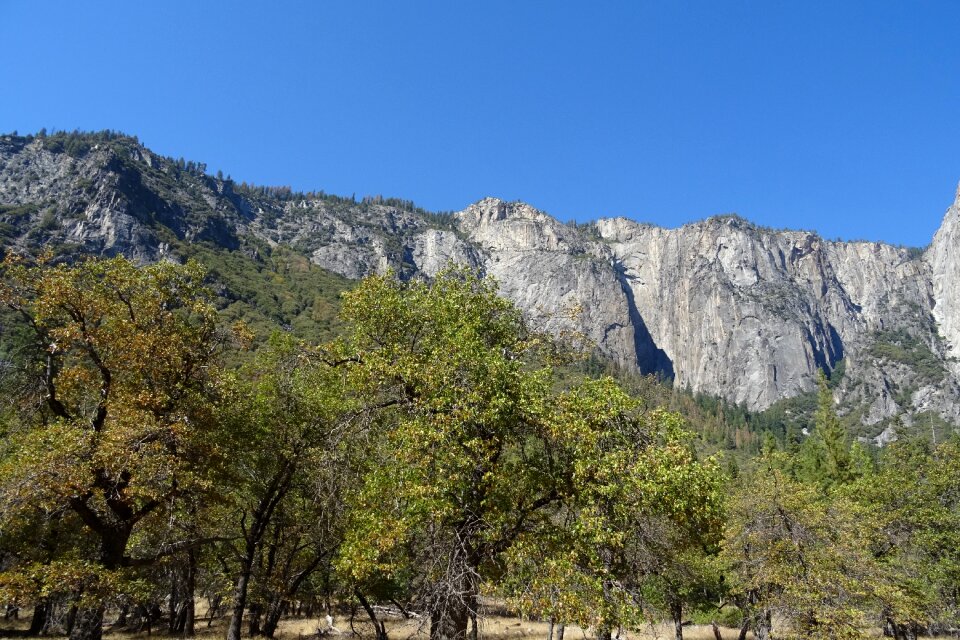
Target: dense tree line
151	458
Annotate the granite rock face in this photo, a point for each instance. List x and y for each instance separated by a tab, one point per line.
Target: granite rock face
562	280
752	314
721	306
943	258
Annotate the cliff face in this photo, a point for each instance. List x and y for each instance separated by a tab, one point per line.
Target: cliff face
563	280
730	309
943	258
722	306
754	312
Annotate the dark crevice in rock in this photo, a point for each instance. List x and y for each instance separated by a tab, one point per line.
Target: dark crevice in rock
650	358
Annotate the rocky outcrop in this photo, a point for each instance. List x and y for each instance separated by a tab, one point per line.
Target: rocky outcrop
721	306
564	282
725	307
943	256
752	314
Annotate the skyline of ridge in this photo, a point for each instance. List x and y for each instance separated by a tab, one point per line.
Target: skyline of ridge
835	117
582	220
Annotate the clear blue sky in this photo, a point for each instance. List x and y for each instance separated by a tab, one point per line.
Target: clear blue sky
843	117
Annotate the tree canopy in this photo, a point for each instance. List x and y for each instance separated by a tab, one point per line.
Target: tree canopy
438	452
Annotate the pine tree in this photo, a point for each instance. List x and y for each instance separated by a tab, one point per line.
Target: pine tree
838	466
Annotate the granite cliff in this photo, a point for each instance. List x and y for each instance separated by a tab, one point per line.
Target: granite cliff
720	306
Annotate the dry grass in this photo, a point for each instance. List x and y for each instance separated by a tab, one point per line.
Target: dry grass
491	628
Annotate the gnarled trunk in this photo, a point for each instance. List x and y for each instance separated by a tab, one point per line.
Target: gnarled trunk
716	631
87	619
239	604
272	618
762	626
455	598
88	623
744	628
39	619
380	629
449	620
676	611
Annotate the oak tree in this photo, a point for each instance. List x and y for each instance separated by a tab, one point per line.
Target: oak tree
124	360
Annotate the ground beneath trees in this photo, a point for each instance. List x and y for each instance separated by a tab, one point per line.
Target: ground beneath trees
491	628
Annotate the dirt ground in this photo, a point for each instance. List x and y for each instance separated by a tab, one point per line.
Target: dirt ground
491	628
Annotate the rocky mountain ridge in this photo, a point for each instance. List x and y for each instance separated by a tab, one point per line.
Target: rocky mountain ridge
721	306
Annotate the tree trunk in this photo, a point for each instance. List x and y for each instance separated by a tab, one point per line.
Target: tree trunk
71	617
560	631
239	604
676	611
743	629
271	620
456	597
138	618
87	619
39	619
474	612
213	610
122	615
550	630
173	603
262	515
154	614
761	628
449	621
889	628
54	614
190	612
604	632
88	623
181	623
379	628
256	610
716	631
909	631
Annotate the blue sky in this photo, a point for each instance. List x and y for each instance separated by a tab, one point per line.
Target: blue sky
842	117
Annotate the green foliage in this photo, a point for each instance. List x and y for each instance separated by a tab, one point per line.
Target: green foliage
277	289
902	347
122	433
286	500
799	556
838	466
637	525
914	500
435	452
16	213
462	453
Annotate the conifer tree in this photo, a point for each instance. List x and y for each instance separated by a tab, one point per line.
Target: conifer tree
837	468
